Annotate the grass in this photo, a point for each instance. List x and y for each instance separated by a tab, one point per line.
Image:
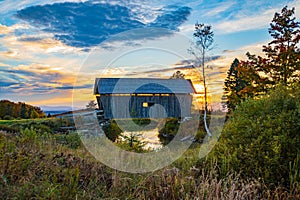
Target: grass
41	165
10	122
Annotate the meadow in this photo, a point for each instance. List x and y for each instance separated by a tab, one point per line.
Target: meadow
39	162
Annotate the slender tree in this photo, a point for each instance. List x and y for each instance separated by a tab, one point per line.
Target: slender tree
281	63
203	42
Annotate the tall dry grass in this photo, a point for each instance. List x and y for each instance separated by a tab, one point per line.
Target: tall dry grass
36	166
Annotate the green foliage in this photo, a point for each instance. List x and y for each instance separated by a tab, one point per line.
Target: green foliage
112	131
4	127
11	110
46	125
178	75
234	83
204	36
71	140
167	133
132	142
31	172
8	117
28	135
171	126
281	63
45	166
262	140
141	121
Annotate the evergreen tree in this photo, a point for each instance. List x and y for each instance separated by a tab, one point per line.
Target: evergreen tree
23	113
8	110
234	84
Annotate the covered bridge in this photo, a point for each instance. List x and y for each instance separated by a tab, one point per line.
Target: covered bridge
144	97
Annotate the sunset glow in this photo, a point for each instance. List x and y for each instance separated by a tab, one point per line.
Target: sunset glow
45	58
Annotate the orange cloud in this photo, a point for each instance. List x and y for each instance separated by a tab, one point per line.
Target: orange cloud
5	30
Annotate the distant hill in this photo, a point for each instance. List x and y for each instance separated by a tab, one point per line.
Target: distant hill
20	110
56	108
54	112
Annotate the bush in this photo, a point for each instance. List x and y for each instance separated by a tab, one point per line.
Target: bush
262	139
71	140
8	117
8	128
112	131
168	132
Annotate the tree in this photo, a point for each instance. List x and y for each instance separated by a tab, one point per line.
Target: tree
178	75
203	43
23	113
32	113
19	110
233	85
281	63
283	53
91	105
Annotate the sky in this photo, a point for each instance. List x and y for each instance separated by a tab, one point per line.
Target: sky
52	51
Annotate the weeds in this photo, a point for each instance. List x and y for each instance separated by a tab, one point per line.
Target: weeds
49	166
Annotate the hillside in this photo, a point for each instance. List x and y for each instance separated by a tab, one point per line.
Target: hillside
20	110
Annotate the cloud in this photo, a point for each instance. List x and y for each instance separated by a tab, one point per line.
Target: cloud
172	17
37	79
245	23
253	15
71	87
219	8
6	83
10	53
3	64
40	48
9	6
87	24
4	30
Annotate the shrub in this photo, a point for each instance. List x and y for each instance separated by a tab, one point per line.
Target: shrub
262	139
8	117
112	131
8	128
168	132
71	140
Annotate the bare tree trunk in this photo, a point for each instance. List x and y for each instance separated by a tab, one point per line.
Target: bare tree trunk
205	96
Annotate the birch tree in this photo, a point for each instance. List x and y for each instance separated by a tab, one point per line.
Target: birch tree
203	42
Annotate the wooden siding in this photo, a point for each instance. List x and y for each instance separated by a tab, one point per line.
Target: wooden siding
132	106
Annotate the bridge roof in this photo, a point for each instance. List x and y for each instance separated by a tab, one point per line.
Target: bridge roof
143	86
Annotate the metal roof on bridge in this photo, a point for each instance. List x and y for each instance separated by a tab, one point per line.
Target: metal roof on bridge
143	86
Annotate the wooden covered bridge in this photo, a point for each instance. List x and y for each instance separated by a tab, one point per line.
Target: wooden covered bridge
144	97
